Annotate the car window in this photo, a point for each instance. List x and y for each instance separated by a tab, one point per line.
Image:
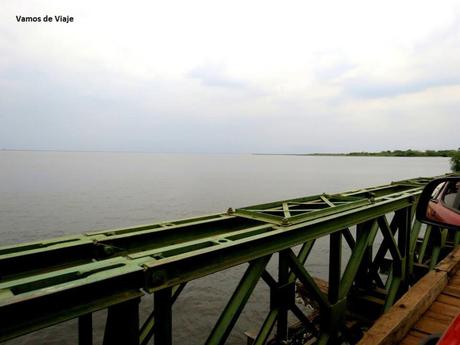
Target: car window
437	190
451	196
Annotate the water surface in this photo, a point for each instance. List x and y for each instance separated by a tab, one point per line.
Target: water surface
49	194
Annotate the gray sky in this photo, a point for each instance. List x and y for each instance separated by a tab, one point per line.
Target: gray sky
233	76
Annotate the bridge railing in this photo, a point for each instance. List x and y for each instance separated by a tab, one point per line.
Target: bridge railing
48	282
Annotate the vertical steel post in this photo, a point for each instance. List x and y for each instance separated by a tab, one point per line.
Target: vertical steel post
424	245
367	232
415	231
163	316
335	266
404	247
436	239
282	298
457	238
362	277
85	329
122	325
331	324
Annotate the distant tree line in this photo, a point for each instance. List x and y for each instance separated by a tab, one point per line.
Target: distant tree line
408	153
453	154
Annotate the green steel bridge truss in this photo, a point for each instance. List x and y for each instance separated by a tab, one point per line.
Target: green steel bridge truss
47	282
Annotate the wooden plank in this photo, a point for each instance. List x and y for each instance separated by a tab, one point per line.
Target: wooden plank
415	333
410	340
452	291
429	325
451	262
446	309
438	316
447	299
414	338
391	327
455	283
456	275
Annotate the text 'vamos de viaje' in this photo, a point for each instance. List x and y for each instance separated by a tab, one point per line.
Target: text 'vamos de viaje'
45	19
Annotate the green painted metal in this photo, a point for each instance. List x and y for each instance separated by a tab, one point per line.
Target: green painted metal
47	282
356	258
237	302
301	273
302	256
284	296
457	238
147	330
436	239
349	238
404	242
388	237
392	291
424	245
266	328
416	228
300	210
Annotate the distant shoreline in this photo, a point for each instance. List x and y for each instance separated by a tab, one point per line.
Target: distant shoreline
334	155
395	153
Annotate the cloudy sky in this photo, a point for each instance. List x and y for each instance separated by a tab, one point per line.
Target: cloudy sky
230	76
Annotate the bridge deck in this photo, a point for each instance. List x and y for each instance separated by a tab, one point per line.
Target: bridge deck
440	314
427	308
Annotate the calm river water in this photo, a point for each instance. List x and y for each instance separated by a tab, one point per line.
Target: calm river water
49	194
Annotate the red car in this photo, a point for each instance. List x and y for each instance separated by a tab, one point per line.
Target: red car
444	206
452	335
